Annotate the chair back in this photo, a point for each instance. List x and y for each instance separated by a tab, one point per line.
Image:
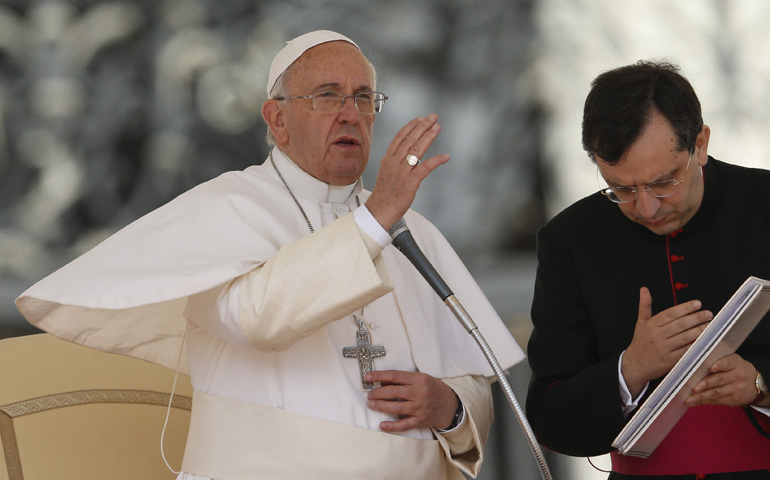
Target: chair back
72	412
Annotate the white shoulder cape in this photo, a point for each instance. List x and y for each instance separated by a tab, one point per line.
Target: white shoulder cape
127	294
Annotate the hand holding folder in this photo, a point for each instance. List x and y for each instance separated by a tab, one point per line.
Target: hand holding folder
667	403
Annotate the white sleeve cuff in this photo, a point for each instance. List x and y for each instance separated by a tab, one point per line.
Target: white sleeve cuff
459	422
629	403
370	226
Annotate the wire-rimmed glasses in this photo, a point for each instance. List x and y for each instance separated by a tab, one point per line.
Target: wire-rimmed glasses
367	103
659	189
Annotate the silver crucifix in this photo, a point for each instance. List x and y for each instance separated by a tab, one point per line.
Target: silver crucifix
365	352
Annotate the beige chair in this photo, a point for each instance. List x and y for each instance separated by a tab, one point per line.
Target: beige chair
72	413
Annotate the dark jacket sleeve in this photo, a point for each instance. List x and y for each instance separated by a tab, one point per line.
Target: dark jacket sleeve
573	403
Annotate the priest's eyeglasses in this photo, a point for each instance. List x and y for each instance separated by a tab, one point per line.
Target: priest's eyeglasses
659	189
367	103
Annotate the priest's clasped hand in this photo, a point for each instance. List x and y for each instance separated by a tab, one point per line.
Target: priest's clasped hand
419	399
730	382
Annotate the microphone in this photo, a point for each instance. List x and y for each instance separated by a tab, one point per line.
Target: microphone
404	242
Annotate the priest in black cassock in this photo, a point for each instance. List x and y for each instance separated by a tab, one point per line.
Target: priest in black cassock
628	278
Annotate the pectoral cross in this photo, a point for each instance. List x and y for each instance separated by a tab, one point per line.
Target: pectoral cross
364	352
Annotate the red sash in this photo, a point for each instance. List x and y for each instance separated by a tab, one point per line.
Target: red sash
707	439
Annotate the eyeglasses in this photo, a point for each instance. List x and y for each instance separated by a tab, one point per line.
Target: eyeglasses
659	189
367	103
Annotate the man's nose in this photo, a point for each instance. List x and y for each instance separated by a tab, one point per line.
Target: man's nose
349	111
647	205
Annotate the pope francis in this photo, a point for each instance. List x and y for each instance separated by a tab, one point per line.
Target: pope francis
314	347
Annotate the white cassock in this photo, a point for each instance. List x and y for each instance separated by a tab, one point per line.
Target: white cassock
269	308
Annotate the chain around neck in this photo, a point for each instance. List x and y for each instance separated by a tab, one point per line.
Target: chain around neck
362	332
301	210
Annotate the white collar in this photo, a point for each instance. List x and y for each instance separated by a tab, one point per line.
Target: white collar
305	185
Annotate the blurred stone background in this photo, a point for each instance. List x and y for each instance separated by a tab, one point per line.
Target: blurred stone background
109	109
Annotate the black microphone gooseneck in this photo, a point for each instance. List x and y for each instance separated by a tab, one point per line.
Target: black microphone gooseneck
405	243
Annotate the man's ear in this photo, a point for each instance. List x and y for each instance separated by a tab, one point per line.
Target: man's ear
702	145
274	117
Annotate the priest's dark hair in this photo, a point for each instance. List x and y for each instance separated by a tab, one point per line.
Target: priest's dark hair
621	102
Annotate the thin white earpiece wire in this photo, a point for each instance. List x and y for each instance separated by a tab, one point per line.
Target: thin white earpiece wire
170	399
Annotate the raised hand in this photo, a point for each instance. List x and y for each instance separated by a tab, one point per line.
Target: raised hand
397	181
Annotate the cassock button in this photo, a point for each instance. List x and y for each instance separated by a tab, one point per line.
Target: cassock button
680	286
675	233
676	258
